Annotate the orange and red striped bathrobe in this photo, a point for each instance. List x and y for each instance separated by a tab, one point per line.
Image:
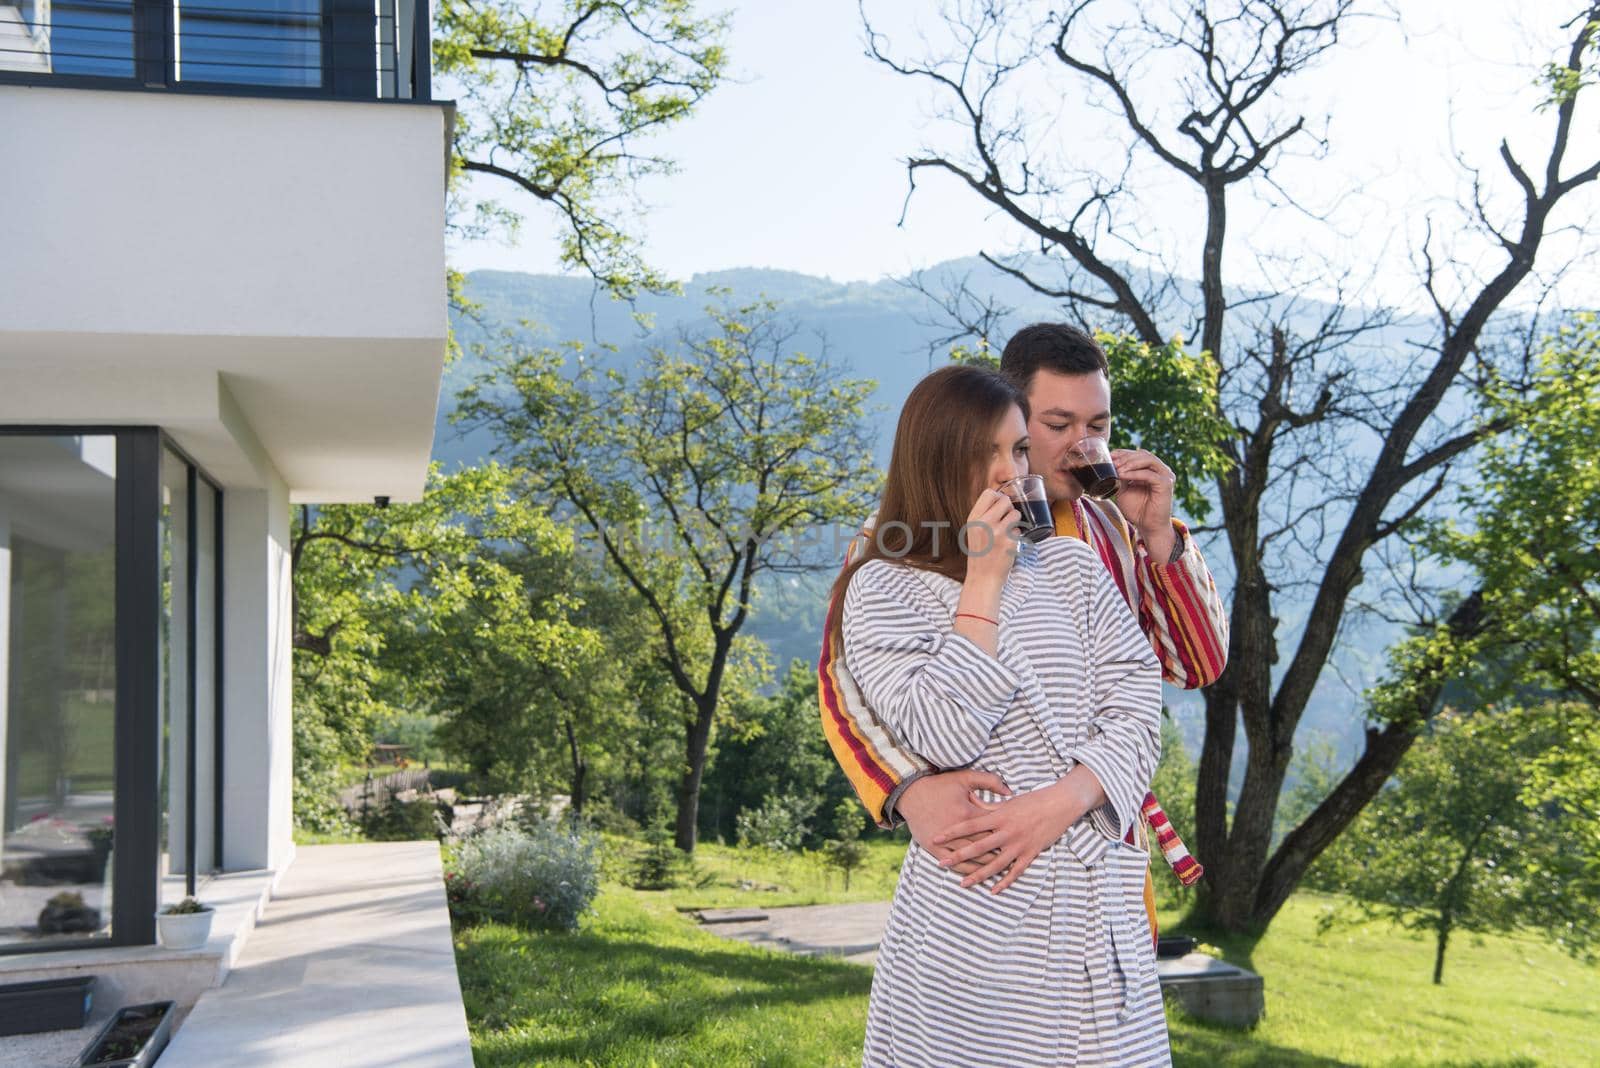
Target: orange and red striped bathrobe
1176	605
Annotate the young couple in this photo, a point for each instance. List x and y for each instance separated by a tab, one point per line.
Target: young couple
1003	699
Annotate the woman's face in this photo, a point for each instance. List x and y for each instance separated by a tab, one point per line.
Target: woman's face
1008	455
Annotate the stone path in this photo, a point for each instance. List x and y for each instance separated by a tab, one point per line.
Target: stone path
851	932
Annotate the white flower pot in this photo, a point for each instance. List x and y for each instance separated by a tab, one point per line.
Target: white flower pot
186	931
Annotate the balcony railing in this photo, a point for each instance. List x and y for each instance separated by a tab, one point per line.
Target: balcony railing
352	49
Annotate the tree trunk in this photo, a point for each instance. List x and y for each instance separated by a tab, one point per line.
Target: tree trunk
580	771
1230	902
1245	686
1384	750
1338	810
697	738
1439	947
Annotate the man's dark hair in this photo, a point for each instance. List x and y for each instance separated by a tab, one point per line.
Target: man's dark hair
1057	347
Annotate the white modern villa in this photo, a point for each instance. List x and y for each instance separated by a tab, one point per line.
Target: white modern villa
222	275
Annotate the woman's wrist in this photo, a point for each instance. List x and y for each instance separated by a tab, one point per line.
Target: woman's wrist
982	598
1081	792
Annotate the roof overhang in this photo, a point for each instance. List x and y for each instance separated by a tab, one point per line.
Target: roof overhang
263	278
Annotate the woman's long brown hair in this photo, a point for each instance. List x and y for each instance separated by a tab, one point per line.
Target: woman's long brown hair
941	447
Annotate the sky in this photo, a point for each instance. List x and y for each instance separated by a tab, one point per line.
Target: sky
797	161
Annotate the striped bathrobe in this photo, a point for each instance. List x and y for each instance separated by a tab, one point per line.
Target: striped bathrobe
1176	604
1058	969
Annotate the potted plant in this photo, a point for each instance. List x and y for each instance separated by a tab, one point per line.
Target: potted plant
66	913
185	925
133	1038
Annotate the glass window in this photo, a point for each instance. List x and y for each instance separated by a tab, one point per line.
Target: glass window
251	42
75	37
57	686
188	677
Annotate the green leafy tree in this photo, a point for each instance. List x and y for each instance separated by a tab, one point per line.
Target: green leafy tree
1524	629
691	478
775	749
1532	533
1490	825
846	851
1167	403
497	644
347	566
555	99
412	609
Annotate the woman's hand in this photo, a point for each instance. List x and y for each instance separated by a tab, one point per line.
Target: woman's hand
990	539
1017	830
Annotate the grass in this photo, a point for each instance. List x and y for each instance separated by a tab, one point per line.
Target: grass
1363	994
641	985
729	877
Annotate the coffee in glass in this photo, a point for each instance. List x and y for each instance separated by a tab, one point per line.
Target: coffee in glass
1090	463
1029	499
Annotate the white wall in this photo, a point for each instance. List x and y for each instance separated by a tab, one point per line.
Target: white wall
170	213
162	247
257	827
264	279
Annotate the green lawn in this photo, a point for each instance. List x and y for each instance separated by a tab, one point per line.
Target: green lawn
728	877
1364	994
642	985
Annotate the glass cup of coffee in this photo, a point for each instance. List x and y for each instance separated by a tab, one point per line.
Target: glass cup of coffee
1090	463
1028	497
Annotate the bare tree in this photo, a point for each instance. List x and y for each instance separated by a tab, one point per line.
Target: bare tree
1340	433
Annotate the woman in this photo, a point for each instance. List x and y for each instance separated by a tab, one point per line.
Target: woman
956	633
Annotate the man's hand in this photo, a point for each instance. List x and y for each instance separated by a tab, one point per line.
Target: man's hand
934	803
1011	834
1144	496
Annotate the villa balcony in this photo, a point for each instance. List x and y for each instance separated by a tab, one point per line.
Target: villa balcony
337	48
244	245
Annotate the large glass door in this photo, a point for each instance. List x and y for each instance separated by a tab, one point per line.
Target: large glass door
110	750
58	679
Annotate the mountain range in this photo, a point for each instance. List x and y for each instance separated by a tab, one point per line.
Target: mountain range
886	331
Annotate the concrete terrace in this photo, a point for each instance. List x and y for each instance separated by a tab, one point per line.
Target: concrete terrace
352	965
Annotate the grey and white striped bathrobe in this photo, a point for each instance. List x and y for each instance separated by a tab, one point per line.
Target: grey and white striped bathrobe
1057	969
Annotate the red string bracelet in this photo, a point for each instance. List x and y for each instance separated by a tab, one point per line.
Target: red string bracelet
986	619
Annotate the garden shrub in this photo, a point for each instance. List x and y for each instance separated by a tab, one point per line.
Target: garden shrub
661	865
778	823
407	821
542	876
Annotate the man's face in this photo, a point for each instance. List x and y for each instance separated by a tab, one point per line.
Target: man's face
1066	409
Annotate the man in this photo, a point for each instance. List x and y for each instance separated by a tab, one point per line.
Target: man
1065	376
